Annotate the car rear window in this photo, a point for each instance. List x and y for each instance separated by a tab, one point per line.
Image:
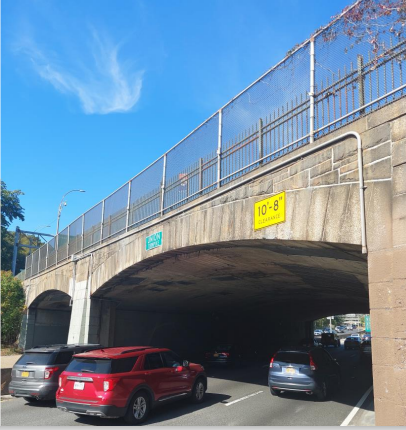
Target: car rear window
36	358
97	365
292	357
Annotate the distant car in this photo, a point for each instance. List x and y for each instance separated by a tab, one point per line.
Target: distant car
330	339
352	342
35	375
310	370
224	354
326	330
366	336
366	351
318	332
339	329
128	382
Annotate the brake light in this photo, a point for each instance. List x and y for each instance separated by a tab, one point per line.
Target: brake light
49	371
227	354
108	384
313	365
60	381
271	362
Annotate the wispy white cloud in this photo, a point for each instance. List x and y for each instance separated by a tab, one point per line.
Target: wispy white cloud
101	80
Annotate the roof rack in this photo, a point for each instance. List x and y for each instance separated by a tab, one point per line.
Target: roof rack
135	350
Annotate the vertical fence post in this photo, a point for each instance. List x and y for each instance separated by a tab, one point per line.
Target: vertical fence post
101	223
200	174
56	249
361	90
82	242
46	258
311	93
67	246
163	186
127	221
260	141
219	147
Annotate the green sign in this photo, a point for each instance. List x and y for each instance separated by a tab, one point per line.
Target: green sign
367	324
153	241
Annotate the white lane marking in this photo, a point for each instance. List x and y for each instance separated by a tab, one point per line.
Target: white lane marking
356	407
243	398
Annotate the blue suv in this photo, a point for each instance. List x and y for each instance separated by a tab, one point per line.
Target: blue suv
311	370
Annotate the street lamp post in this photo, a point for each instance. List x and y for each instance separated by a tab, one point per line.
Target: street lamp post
60	208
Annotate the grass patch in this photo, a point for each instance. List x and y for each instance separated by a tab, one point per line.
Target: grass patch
10	350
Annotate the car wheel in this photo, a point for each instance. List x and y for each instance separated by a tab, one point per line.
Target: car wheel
198	391
321	394
138	409
30	399
274	392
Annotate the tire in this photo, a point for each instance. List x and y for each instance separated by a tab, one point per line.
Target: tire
138	409
30	399
321	393
274	392
198	391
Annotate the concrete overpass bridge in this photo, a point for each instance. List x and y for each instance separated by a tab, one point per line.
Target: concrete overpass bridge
192	252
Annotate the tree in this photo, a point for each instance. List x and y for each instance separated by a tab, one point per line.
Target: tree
11	208
12	307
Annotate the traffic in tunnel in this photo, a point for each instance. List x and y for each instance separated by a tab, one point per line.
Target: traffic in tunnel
257	294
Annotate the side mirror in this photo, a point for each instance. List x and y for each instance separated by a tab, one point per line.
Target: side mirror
185	363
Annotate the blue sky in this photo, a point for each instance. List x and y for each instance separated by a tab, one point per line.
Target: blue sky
94	91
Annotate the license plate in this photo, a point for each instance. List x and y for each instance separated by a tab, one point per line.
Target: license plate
79	385
290	370
25	374
215	355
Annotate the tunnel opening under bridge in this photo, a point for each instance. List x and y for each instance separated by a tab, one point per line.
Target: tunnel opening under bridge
46	320
258	293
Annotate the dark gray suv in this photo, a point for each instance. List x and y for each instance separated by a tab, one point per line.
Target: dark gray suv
35	375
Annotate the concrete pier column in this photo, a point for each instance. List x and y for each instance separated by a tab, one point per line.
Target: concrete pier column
387	285
79	323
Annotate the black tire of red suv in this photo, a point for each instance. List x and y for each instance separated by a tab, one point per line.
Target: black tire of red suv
138	409
198	391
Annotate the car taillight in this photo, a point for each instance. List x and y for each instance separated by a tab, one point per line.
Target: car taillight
271	362
227	354
49	371
60	381
312	364
109	384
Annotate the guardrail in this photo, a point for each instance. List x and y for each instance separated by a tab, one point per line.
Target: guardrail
332	79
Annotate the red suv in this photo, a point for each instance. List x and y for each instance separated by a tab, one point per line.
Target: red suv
127	382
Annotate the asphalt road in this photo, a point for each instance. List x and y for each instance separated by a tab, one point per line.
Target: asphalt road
245	386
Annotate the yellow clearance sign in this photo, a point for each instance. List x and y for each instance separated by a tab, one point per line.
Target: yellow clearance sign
269	211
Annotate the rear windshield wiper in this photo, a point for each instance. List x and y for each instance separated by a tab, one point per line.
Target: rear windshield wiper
30	362
87	371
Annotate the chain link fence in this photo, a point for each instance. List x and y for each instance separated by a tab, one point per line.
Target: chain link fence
357	67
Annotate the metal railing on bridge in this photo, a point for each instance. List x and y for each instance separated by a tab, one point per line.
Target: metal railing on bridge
346	70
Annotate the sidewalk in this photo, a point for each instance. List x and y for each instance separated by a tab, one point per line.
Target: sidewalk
8	361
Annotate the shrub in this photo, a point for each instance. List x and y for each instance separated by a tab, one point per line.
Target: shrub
12	307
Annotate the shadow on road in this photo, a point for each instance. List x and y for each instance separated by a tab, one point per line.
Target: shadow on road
162	413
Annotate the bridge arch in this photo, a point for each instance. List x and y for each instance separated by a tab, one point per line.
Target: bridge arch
207	293
47	319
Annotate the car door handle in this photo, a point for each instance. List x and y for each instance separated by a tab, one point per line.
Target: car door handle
147	373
